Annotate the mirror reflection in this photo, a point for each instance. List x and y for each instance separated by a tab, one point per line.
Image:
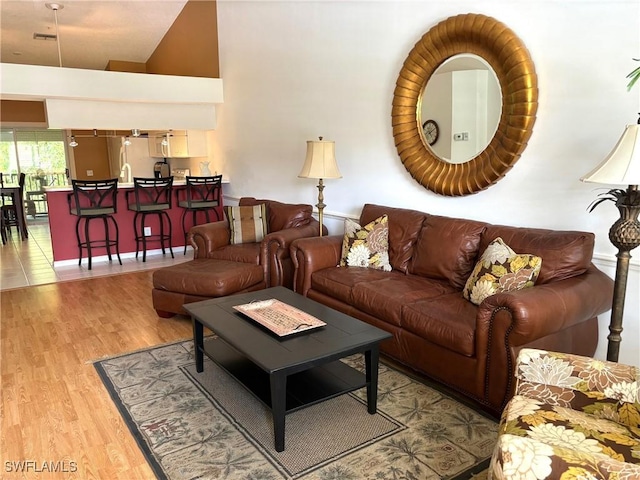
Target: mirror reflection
462	104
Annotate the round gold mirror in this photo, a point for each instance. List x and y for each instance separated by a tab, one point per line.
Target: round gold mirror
496	44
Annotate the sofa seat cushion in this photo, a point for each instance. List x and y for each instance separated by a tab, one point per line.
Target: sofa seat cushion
208	278
246	253
384	298
447	320
338	282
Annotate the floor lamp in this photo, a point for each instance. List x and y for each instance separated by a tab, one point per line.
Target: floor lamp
621	167
320	163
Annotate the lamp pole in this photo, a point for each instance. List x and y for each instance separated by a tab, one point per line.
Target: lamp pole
320	205
625	236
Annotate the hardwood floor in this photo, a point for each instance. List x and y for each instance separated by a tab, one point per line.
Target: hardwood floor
54	406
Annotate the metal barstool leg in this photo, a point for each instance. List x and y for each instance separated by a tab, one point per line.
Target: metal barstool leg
107	242
135	232
168	236
79	241
86	240
117	244
184	229
144	237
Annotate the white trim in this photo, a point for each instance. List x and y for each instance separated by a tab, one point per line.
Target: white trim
610	261
114	259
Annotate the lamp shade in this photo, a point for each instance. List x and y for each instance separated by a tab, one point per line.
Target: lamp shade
320	161
622	165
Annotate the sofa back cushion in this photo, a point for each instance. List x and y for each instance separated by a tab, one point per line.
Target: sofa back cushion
447	249
564	254
404	227
282	215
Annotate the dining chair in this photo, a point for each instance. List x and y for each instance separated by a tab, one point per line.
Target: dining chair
13	207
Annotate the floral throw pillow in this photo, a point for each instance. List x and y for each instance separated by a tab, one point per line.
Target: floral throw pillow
366	246
500	269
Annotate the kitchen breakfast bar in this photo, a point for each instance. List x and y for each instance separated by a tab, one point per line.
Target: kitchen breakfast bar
63	225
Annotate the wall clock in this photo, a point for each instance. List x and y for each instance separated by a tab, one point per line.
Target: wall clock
431	131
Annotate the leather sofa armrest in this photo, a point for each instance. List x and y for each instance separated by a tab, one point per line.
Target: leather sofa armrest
274	250
312	254
208	237
507	322
545	309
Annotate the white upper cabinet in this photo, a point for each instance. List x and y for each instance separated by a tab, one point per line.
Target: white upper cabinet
178	144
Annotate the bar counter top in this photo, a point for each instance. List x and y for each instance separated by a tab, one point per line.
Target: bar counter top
63	224
68	188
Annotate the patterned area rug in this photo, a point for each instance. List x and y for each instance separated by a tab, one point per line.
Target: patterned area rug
205	425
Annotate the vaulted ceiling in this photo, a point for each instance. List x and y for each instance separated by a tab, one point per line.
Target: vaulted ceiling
90	32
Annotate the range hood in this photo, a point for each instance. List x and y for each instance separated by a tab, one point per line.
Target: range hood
80	99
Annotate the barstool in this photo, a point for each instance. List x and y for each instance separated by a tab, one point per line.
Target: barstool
92	199
202	195
151	196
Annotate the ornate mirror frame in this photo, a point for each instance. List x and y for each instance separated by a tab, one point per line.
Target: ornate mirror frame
504	51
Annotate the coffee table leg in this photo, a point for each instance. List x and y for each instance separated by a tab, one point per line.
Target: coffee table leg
371	358
278	407
198	344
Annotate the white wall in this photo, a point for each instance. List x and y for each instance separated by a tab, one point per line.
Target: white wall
295	70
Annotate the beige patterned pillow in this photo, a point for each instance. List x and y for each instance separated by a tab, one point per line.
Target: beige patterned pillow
366	246
500	269
248	224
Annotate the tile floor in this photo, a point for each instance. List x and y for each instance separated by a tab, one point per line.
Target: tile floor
30	262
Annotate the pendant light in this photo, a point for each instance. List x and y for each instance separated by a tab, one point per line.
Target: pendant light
55	7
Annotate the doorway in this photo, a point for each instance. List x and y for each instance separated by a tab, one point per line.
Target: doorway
41	155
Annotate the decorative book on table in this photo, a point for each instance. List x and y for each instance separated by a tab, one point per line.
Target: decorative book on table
279	317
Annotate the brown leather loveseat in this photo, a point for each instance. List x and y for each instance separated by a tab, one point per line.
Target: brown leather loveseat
436	331
221	268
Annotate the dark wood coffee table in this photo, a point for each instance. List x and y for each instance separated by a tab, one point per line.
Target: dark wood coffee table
287	373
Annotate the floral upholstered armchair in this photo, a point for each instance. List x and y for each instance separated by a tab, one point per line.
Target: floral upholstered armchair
572	417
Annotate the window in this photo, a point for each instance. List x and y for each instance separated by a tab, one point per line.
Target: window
41	155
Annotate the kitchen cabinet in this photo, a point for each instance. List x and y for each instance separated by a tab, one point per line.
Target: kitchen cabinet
179	144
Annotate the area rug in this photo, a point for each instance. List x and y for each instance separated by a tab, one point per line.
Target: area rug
193	425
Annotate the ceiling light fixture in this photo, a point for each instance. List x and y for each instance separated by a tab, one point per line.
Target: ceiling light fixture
135	132
55	7
73	142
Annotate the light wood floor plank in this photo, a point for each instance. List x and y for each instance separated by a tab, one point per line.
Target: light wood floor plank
54	406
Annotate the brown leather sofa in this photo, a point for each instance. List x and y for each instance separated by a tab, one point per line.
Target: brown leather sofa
436	331
220	268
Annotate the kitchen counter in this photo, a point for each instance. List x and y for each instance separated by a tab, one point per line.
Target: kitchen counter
63	225
68	188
